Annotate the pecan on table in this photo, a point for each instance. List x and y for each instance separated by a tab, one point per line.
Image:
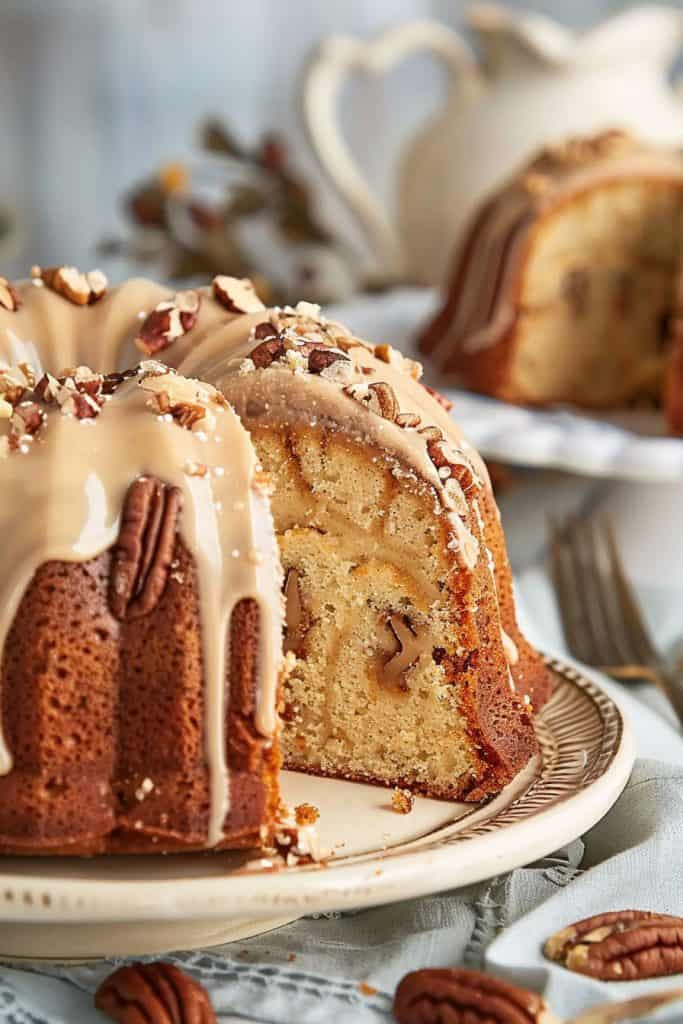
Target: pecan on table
459	996
156	993
144	550
622	945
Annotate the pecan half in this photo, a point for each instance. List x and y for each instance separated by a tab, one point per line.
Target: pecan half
383	400
460	996
8	296
622	945
168	321
158	993
236	294
408	652
144	549
79	288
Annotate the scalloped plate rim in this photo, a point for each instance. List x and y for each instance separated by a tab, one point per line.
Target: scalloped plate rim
369	879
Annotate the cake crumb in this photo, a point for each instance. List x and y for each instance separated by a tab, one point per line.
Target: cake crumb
367	990
291	958
402	801
306	814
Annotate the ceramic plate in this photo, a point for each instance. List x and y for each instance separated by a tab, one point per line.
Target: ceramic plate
628	446
64	908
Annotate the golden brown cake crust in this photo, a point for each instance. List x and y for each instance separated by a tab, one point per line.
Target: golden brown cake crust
82	696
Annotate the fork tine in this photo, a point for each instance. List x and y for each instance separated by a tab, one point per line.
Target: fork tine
632	613
617	645
572	613
588	580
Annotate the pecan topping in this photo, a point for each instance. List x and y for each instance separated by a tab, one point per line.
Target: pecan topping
158	993
402	801
237	294
306	814
322	358
27	419
15	382
460	996
296	618
8	296
623	945
267	329
81	289
168	321
450	464
409	650
407	419
187	401
379	398
267	352
444	402
144	550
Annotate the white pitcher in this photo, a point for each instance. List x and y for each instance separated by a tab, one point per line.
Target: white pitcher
537	82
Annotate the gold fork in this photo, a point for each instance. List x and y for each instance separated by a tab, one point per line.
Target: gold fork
602	621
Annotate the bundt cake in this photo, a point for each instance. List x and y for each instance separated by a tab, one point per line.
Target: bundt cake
563	288
405	663
140	617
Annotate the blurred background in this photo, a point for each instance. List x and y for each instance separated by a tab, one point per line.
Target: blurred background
96	96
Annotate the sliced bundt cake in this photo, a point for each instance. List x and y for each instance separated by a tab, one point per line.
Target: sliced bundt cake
406	666
564	286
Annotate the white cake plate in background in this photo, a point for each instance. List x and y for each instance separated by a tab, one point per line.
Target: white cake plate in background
63	909
624	447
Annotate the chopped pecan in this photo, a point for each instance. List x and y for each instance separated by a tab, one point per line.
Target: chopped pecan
450	464
322	358
409	650
15	382
622	945
144	549
402	801
306	814
444	402
158	993
112	381
168	321
79	288
8	296
460	996
186	401
408	419
266	329
236	294
27	419
269	351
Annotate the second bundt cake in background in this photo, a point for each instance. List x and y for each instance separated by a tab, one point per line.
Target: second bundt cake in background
564	286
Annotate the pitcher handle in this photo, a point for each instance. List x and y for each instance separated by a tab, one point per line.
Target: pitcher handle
324	77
